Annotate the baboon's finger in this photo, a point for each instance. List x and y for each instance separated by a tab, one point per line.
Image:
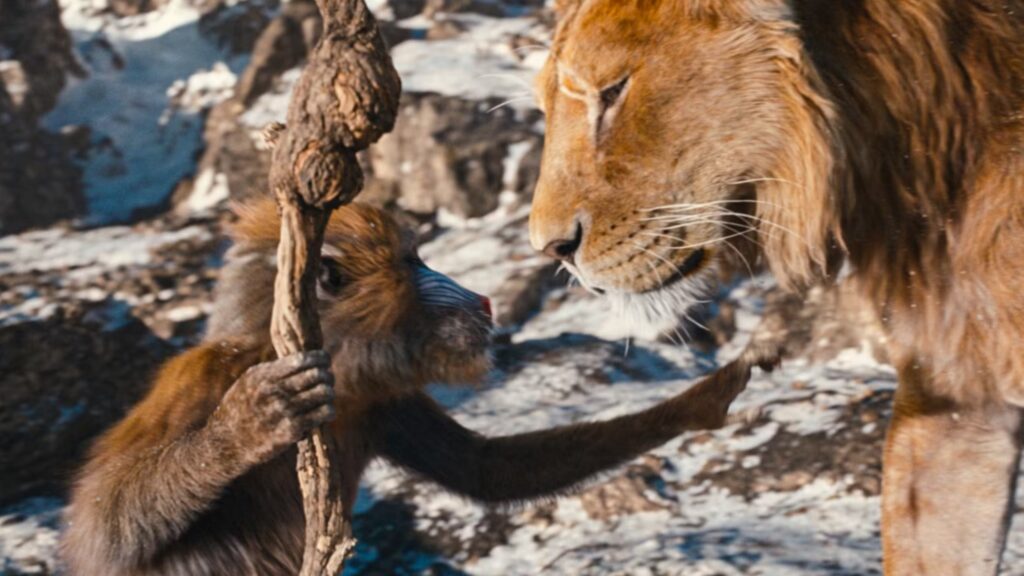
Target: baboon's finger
290	365
305	380
320	395
317	417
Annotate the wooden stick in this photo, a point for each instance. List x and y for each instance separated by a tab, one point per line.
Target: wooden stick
346	98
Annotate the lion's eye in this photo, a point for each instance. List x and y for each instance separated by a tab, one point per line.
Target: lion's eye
611	95
609	102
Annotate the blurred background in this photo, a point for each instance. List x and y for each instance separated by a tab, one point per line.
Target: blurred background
128	126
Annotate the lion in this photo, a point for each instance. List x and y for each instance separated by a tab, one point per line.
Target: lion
880	136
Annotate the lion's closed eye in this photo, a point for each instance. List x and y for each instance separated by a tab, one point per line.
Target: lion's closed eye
612	95
610	100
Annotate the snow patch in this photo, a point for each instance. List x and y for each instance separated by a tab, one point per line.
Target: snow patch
87	253
209	191
478	64
150	78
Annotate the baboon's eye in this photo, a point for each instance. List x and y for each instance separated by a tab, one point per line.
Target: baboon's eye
332	278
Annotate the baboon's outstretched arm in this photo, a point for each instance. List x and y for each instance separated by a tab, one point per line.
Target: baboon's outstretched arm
416	434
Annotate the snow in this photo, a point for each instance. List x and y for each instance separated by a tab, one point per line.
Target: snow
89	252
516	153
13	77
482	253
28	535
82	256
478	64
272	106
209	191
149	78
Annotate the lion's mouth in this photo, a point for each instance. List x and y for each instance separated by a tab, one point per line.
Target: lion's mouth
693	263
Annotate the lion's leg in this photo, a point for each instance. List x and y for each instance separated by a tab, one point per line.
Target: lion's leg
948	485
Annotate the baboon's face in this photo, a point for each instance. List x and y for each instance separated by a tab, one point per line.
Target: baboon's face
387	316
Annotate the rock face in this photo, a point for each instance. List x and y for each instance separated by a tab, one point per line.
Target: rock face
237	26
282	46
85	319
35	55
38	183
453	154
52	406
445	152
234	155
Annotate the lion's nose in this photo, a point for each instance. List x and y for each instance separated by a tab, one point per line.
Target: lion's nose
564	249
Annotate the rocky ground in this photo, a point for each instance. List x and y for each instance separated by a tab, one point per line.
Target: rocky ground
133	123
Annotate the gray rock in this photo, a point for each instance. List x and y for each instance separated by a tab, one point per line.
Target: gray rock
237	26
485	7
447	152
38	183
232	152
282	46
63	381
38	55
81	338
403	9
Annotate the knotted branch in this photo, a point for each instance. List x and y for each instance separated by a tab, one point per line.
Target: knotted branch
346	99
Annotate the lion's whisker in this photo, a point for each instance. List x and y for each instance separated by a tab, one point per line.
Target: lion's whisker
684	217
658	256
732	227
683	225
743	258
729	227
693	321
766	179
758	220
707	242
686	221
653	267
509	102
695	205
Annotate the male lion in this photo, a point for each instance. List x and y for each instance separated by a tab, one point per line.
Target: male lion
888	134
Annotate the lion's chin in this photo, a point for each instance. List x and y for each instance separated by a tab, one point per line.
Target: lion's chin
664	305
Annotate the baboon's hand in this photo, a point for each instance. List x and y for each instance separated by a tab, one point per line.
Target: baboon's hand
707	403
275	404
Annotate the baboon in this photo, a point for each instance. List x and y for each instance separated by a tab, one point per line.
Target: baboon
199	478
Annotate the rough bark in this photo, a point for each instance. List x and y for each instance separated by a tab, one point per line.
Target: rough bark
346	98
